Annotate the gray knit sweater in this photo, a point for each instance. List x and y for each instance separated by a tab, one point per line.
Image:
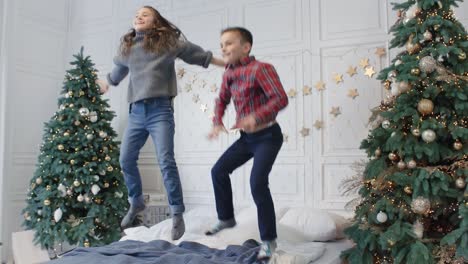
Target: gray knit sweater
151	74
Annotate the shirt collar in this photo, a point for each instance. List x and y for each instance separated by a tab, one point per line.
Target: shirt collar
244	61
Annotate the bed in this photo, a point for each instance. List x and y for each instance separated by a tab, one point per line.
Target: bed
305	236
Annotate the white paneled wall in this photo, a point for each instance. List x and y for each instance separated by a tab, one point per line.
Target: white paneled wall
306	40
34	45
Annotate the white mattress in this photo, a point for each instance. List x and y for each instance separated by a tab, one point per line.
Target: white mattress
332	252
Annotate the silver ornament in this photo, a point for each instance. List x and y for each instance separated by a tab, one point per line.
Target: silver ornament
58	215
80	198
394	90
89	136
428	135
102	134
386	124
421	205
84	111
391	75
397	62
382	217
93	117
427	35
95	189
427	64
76	183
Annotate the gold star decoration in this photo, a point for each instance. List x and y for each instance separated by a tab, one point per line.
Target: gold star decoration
305	132
369	71
380	52
318	124
203	107
336	111
320	86
292	93
352	71
353	93
213	88
285	137
364	63
338	78
195	98
306	90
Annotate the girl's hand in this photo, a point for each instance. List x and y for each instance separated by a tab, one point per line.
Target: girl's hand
103	86
214	133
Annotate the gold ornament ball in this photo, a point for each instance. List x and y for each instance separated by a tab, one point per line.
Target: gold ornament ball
66	134
457	145
77	123
48	187
408	190
60	147
436	27
70	93
392	156
416	132
76	183
39	180
86	244
107	158
460	183
110	168
81	93
46	202
72	162
415	71
377	152
106	185
412	47
425	106
401	165
462	56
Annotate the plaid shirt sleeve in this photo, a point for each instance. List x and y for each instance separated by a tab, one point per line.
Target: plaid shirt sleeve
221	102
270	83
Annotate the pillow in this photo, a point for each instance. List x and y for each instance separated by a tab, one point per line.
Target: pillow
314	224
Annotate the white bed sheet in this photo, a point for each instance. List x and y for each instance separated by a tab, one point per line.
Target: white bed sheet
292	247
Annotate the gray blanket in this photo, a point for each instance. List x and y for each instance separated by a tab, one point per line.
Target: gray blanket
160	252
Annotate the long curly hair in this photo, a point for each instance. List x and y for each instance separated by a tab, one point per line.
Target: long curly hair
161	38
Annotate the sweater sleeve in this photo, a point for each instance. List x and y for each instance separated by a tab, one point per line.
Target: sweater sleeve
194	54
118	73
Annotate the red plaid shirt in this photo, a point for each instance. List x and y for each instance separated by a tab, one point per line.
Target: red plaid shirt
255	88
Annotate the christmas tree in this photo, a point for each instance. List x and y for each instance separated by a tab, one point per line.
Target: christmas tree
77	194
413	200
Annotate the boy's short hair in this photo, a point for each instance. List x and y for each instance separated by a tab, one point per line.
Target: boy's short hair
245	34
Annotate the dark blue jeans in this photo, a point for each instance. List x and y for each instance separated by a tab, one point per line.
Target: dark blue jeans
263	146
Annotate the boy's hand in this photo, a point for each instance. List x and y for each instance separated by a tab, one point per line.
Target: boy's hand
247	124
214	133
103	86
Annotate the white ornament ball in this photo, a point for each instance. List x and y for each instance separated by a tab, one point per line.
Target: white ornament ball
84	111
428	135
394	90
80	198
382	217
87	199
69	192
95	189
89	136
460	183
102	173
93	117
397	62
416	132
118	194
427	64
39	180
412	164
58	215
96	178
39	212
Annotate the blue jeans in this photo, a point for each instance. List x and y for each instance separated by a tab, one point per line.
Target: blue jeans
153	117
263	146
